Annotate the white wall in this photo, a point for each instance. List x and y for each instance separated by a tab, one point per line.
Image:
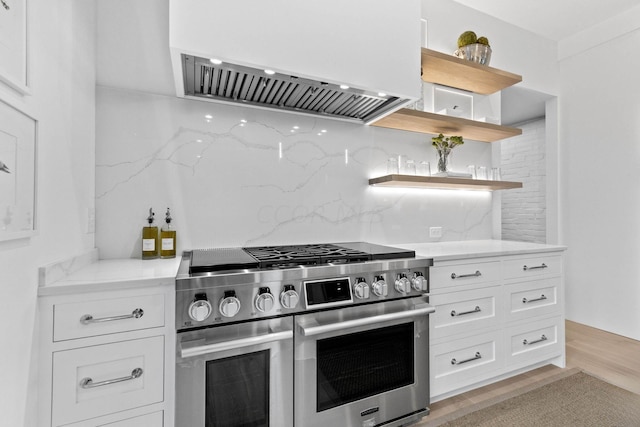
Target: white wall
600	202
523	159
62	71
513	49
235	183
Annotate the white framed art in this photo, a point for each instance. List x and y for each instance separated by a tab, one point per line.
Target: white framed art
18	168
13	45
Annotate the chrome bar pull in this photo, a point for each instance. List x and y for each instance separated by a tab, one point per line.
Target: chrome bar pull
526	301
88	382
476	357
456	276
462	313
537	267
88	319
542	338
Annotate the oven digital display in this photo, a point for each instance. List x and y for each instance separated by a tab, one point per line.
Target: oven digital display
327	291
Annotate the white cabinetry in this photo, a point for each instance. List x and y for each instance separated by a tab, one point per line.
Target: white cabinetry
106	358
495	317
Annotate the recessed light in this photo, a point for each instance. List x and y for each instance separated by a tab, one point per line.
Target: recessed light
382	94
215	61
208	116
243	121
270	72
296	127
344	87
323	131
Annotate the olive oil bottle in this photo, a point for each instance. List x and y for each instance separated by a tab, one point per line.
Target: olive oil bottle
167	238
150	238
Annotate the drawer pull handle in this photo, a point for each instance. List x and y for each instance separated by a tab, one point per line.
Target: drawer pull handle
476	357
88	319
476	274
88	382
537	267
456	314
542	338
526	301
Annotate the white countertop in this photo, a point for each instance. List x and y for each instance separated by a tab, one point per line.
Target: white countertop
113	274
446	251
116	274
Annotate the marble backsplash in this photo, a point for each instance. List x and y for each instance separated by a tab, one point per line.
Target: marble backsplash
236	176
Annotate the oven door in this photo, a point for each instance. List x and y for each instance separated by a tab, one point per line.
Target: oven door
236	375
363	366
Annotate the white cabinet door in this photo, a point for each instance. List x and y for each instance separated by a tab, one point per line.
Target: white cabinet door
94	381
459	312
532	267
462	362
536	298
106	316
448	276
155	419
534	342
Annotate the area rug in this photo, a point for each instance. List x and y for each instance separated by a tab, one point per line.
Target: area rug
577	399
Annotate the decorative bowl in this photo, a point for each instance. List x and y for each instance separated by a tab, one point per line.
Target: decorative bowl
476	52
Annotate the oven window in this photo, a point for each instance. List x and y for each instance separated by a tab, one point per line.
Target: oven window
238	391
363	364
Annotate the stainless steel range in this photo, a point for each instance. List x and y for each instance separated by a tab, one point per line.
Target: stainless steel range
344	325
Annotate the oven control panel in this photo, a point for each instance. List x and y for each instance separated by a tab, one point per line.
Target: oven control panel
226	303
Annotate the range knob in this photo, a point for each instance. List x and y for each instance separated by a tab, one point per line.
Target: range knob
200	308
361	288
379	286
289	297
264	300
403	285
419	282
229	304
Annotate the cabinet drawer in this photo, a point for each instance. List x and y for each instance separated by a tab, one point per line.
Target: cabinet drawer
465	361
458	312
107	316
523	268
137	364
530	299
451	275
155	419
531	343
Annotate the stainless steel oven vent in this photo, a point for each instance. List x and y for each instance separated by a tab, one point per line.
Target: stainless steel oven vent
253	87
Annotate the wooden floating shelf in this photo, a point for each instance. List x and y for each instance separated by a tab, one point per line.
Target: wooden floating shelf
414	181
443	69
424	122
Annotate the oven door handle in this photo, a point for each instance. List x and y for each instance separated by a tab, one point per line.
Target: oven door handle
420	310
234	344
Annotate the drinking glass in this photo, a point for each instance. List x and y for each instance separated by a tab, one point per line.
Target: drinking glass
495	174
424	168
481	172
472	171
410	167
392	166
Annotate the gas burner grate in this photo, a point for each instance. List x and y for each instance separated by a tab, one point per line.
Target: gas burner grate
299	255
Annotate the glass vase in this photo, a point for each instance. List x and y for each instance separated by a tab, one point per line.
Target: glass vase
444	158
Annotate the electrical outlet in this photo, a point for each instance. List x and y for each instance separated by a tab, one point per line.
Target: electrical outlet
435	232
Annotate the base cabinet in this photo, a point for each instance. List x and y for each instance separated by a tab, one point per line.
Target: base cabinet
495	317
107	358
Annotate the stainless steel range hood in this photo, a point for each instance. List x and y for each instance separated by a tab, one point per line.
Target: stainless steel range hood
253	87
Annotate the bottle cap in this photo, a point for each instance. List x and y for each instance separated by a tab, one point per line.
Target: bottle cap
150	217
167	217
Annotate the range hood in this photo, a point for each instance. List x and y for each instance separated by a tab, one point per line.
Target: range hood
253	87
356	61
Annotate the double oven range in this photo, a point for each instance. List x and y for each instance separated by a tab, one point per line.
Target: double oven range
305	336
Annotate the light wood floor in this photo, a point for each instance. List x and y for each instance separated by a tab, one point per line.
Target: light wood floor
613	358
